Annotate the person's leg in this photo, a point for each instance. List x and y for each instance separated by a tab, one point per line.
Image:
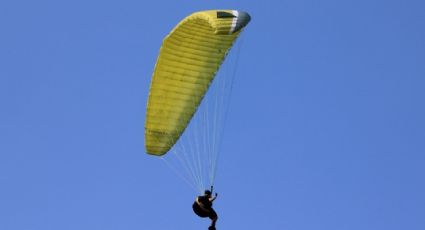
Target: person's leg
213	216
213	221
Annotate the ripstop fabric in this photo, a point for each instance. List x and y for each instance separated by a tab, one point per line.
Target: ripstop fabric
189	58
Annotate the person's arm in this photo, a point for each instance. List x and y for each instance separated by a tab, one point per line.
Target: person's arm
213	198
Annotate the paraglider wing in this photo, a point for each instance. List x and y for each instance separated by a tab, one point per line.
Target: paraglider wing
189	58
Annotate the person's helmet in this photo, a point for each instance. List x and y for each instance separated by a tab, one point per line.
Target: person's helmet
207	192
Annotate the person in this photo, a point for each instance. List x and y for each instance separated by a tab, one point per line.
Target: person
203	207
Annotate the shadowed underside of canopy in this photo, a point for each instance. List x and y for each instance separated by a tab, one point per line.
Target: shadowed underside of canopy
189	58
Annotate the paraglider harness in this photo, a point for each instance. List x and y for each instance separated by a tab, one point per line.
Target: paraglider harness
201	209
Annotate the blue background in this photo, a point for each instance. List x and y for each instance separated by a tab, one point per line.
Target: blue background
326	128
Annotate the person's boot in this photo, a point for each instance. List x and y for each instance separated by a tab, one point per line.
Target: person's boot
211	228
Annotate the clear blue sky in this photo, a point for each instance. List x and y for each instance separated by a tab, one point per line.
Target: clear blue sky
326	129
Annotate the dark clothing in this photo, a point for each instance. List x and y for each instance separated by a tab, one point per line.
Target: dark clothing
209	212
205	200
213	214
205	209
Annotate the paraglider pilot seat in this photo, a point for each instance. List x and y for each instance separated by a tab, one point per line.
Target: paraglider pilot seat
203	212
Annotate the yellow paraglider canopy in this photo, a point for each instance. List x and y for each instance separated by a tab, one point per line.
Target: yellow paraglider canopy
189	58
